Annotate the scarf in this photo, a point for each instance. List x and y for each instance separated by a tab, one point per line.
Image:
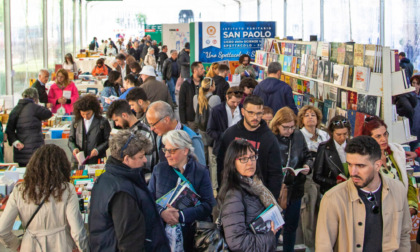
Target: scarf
256	187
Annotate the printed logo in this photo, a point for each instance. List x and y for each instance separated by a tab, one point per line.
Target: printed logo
208	41
211	30
214	41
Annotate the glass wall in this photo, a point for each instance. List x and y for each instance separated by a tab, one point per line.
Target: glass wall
337	20
365	21
2	56
27	41
54	34
68	26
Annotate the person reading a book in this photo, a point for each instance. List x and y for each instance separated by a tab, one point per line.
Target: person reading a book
245	69
89	132
100	69
393	158
309	121
58	225
181	168
330	167
111	89
243	198
63	93
294	156
368	212
123	214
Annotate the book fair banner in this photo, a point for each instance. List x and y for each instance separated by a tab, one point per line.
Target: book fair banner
227	41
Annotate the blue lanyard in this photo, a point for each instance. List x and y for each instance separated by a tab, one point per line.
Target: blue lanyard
185	180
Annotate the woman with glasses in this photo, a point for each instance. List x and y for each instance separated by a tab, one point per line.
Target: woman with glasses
330	162
393	158
181	167
242	198
294	154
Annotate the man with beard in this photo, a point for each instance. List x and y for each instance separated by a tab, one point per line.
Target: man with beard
138	101
120	112
369	212
255	130
245	69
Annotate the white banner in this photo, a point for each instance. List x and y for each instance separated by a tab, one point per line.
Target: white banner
211	34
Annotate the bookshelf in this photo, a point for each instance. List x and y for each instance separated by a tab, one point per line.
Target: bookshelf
383	83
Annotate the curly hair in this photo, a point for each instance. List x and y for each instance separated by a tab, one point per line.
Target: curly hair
46	174
303	111
242	57
247	82
87	102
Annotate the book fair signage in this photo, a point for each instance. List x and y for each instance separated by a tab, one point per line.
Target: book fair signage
219	41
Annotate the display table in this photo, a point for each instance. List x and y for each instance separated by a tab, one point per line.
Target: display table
83	85
87	64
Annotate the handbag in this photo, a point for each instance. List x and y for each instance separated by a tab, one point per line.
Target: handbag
209	236
283	198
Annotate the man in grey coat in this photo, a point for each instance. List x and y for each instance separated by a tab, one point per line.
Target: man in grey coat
184	61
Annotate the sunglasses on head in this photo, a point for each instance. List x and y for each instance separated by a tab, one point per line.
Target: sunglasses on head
236	92
343	122
371	198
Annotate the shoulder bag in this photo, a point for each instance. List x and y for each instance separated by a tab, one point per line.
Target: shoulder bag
32	217
283	198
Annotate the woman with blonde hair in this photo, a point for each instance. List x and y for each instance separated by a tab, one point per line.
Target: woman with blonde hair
213	70
63	93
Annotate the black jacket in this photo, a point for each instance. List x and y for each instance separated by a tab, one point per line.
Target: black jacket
217	124
42	92
186	106
269	159
407	66
405	104
299	156
222	87
96	138
135	53
156	51
327	166
25	125
161	58
167	69
114	232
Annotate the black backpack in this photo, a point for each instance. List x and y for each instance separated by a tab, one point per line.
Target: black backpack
92	46
202	119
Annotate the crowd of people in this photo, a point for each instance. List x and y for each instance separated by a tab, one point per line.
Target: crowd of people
242	149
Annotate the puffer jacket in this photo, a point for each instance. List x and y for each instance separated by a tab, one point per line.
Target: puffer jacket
26	127
299	156
239	209
327	166
96	138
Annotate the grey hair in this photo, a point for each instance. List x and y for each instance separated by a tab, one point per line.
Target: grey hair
173	50
31	93
178	138
274	67
150	49
44	71
137	144
162	109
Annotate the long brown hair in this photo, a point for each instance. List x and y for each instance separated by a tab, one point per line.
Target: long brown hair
46	174
204	89
66	81
212	70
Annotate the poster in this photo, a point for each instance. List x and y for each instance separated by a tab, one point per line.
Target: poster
175	36
218	41
155	31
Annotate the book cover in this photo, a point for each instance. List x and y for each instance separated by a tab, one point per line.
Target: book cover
331	113
303	64
185	198
276	47
315	69
361	103
264	61
281	59
314	48
313	89
297	50
349	53
262	224
358	126
308	49
305	86
325	51
352	100
293	66
361	78
343	94
298	100
320	75
305	99
338	74
287	80
332	72
289	49
370	54
334	51
298	62
319	49
359	53
310	66
286	63
328	104
351	115
350	77
397	60
293	82
320	89
373	105
332	93
294	172
341	53
327	71
299	86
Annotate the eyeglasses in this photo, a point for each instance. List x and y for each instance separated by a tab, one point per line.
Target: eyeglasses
126	144
288	128
171	151
343	122
251	113
371	198
154	124
236	92
378	136
244	160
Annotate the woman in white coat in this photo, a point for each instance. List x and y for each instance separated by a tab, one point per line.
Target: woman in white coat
58	225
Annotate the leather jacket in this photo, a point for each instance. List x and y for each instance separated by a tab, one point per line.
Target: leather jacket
327	166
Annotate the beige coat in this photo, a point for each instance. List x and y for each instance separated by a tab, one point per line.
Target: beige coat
342	211
58	226
150	60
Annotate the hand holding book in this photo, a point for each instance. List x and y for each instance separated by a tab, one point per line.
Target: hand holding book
170	215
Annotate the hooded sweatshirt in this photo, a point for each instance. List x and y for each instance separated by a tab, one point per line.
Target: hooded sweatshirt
276	94
265	142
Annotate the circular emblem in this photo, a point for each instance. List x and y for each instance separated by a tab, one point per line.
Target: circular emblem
211	30
208	41
214	41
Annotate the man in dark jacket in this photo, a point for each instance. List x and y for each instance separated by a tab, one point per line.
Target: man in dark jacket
156	49
255	130
163	55
155	90
171	72
406	65
145	48
275	93
184	61
39	85
121	201
23	129
188	89
220	81
135	51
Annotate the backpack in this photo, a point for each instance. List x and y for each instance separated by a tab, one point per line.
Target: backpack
92	46
202	119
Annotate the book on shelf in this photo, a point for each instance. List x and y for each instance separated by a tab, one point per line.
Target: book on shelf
281	59
320	89
262	224
394	113
369	104
310	65
351	116
407	131
315	68
350	76
299	86
342	112
341	53
298	100
294	172
361	78
282	46
320	74
343	99
345	75
358	125
289	49
319	50
334	51
370	56
306	98
349	59
293	66
325	51
327	71
338	74
287	63
352	100
303	64
277	47
298	65
314	47
296	50
328	104
359	52
378	59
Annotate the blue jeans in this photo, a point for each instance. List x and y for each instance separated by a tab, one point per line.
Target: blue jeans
171	86
291	219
